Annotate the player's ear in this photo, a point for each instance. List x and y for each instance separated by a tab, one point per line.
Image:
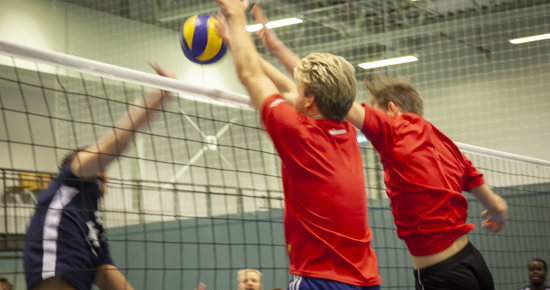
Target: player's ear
393	108
310	100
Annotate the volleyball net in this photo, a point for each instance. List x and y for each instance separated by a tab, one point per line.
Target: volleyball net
198	194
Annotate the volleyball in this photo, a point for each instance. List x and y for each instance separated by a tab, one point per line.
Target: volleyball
200	41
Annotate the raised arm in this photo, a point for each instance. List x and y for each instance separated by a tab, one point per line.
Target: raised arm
245	56
109	277
496	210
95	158
272	42
285	85
290	59
356	115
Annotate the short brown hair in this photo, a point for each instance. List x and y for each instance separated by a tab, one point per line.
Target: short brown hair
399	91
68	158
331	79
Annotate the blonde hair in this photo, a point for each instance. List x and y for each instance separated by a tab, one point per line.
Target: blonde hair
331	79
399	91
244	271
6	283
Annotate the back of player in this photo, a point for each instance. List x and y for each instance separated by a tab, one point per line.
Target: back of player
325	215
425	174
65	244
326	228
65	237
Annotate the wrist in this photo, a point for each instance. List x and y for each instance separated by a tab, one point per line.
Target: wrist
276	45
234	13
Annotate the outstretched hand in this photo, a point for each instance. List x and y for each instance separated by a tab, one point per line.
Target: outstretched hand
230	7
161	71
223	29
496	208
258	12
493	223
268	36
201	286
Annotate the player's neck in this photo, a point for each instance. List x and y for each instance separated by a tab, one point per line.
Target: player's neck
314	113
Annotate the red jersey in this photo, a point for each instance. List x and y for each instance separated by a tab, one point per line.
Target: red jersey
425	174
325	215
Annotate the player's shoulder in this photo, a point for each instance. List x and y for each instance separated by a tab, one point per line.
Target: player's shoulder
274	100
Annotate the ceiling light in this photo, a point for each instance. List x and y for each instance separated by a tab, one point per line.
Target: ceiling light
283	22
530	38
389	61
255	27
274	24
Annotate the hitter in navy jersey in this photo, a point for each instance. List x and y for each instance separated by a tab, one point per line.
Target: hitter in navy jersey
66	236
65	244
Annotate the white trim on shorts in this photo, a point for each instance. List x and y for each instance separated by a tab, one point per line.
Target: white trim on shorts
295	282
419	281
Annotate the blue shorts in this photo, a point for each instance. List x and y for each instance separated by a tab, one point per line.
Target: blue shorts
310	283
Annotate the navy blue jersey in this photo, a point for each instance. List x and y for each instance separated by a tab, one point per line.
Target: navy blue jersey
66	237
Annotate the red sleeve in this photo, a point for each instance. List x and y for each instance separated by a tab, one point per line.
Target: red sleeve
379	129
281	123
472	177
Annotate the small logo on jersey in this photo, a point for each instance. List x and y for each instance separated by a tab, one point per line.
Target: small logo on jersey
92	236
337	131
276	102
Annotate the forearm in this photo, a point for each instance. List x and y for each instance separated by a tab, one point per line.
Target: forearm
242	47
356	115
495	204
95	158
272	42
108	277
286	56
284	84
246	59
117	140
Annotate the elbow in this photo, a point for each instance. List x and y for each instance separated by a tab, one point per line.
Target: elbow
248	68
244	75
247	74
356	115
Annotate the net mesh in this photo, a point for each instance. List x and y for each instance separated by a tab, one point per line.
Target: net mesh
199	184
479	88
198	194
